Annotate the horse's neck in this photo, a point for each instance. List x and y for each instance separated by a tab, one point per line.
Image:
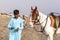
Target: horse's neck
43	17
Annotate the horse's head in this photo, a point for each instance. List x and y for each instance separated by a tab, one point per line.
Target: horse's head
35	13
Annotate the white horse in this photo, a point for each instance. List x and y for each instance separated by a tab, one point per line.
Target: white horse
48	29
46	24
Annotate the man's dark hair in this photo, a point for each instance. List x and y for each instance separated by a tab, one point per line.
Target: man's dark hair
16	12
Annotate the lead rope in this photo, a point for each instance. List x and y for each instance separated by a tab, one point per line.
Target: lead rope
43	29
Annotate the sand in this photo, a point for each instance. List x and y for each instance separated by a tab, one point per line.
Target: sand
27	34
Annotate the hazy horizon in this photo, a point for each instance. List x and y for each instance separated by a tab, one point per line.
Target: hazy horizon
45	6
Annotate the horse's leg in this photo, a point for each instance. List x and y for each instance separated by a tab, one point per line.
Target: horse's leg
48	38
51	36
50	32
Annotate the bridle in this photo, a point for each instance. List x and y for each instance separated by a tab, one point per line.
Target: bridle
43	29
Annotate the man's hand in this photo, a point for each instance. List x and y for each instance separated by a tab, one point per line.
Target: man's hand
12	28
17	29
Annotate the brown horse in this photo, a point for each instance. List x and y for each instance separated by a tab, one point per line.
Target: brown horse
35	14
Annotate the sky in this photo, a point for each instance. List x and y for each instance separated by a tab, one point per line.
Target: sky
24	6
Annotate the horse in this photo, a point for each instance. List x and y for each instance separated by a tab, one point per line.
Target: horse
34	16
45	23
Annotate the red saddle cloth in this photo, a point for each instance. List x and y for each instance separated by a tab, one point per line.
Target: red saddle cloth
52	21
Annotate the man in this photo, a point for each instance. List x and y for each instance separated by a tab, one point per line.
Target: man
15	26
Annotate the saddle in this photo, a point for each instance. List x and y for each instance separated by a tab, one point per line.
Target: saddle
55	21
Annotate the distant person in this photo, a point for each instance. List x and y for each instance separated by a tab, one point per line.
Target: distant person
15	26
23	17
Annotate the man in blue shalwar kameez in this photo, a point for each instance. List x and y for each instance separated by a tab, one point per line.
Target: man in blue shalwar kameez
15	26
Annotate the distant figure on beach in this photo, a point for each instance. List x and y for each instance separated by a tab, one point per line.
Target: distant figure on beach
15	26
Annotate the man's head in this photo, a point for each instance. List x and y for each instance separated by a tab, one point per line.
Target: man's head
16	13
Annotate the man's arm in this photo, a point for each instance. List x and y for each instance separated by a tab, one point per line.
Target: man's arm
21	25
10	25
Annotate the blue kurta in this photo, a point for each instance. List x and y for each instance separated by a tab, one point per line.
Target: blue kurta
16	23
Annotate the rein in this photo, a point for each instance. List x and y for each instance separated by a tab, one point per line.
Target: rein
43	29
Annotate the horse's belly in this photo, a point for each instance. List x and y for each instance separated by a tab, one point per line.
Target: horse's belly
49	30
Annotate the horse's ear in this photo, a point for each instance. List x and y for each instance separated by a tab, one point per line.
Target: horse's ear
31	8
35	7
